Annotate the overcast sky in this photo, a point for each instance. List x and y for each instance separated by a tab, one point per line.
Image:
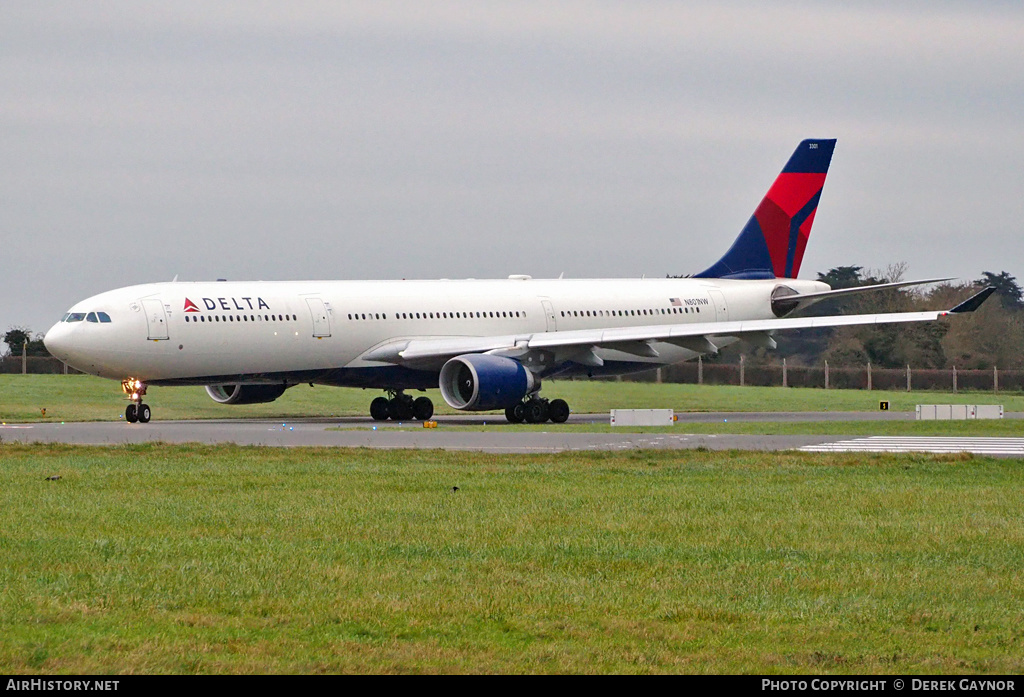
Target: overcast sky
291	140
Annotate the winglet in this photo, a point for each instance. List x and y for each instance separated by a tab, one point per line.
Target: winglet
974	302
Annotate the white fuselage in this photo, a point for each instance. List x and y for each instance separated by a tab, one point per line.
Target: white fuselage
195	333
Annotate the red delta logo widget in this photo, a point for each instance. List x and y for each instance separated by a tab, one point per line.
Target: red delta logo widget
222	304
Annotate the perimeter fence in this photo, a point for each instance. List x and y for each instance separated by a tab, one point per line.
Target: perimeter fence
700	373
835	377
40	365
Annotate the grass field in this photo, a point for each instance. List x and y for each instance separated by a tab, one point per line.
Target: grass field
203	559
85	398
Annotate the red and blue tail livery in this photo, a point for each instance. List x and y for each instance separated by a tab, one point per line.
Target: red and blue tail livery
772	242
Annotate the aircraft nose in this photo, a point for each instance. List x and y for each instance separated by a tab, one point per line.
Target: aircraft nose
56	341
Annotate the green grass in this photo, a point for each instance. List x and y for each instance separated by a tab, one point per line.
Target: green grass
85	398
204	560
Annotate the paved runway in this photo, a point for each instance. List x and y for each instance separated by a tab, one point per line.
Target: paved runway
363	432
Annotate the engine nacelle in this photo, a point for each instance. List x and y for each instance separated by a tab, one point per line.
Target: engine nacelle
245	394
477	382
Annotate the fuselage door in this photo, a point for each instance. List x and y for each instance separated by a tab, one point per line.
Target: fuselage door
549	315
721	309
321	323
156	318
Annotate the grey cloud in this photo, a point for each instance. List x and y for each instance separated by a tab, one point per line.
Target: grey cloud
465	139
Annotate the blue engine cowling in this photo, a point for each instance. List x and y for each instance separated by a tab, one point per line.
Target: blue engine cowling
477	382
245	394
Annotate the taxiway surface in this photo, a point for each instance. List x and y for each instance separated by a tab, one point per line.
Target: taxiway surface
363	432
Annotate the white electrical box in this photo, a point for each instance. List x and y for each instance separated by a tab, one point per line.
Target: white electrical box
643	417
958	412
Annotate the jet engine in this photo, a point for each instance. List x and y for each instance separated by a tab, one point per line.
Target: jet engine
478	382
245	394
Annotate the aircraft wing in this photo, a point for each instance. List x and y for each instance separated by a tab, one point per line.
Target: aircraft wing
699	337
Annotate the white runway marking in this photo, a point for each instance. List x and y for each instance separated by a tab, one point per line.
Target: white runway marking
926	444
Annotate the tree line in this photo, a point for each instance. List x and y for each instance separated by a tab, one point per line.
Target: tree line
992	336
18	337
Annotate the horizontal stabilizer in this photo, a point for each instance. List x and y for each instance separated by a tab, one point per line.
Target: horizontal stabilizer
784	303
864	289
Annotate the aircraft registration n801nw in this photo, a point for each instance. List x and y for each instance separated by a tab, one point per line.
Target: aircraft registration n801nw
486	344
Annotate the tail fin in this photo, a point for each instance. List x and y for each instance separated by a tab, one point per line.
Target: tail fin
772	242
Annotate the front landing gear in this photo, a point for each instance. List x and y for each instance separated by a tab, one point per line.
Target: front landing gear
401	407
136	411
537	410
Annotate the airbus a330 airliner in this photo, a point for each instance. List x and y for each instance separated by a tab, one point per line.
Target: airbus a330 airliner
487	344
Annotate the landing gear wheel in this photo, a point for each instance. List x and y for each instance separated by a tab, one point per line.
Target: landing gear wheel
131	414
144	413
536	411
379	409
400	408
516	414
558	410
423	408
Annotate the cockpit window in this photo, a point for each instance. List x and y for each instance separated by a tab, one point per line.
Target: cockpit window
93	317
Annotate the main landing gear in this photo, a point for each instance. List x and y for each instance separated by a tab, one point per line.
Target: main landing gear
401	407
136	411
537	410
